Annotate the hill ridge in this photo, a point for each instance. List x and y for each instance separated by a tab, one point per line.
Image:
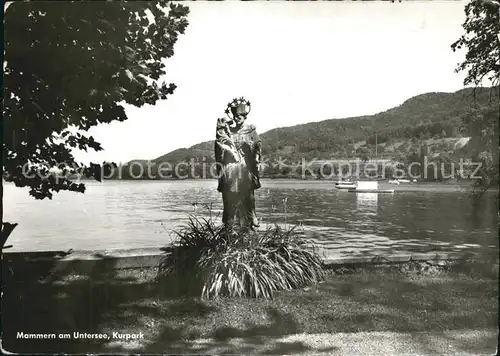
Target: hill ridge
428	115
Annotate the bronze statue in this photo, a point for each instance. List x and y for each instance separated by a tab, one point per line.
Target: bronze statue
238	154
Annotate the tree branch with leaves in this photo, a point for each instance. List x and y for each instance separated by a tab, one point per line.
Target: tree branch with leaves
481	41
70	66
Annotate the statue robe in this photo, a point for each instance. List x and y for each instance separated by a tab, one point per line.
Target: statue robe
238	157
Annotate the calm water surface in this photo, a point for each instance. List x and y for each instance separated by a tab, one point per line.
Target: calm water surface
132	214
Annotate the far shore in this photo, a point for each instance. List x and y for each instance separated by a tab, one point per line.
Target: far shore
299	178
463	184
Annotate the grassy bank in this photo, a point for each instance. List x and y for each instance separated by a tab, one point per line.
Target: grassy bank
400	299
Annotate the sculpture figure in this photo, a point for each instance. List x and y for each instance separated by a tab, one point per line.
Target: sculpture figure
238	154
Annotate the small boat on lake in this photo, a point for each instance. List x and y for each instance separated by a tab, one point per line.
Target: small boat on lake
345	184
369	187
399	181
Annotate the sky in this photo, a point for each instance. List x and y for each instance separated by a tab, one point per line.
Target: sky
296	62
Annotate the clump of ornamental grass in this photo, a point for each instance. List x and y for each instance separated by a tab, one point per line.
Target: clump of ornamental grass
179	266
238	263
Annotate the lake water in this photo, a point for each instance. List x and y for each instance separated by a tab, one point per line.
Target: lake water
135	214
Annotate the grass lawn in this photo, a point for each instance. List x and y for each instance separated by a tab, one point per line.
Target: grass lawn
465	297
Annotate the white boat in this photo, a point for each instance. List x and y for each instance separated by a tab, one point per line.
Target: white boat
369	187
399	181
345	185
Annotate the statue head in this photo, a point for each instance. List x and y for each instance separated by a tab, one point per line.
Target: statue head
238	110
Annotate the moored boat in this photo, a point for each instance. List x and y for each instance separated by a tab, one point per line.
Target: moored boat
345	185
369	187
398	181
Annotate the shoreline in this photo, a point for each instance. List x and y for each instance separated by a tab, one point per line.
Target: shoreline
54	262
300	178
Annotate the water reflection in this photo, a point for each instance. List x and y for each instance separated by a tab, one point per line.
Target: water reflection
481	211
367	203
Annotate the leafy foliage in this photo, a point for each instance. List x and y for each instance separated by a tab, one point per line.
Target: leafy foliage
483	126
482	61
481	41
238	263
192	240
71	66
180	265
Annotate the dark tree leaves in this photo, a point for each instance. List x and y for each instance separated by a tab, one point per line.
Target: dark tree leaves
482	125
69	66
481	41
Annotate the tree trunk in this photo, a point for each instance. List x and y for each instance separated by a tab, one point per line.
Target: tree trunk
6	228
